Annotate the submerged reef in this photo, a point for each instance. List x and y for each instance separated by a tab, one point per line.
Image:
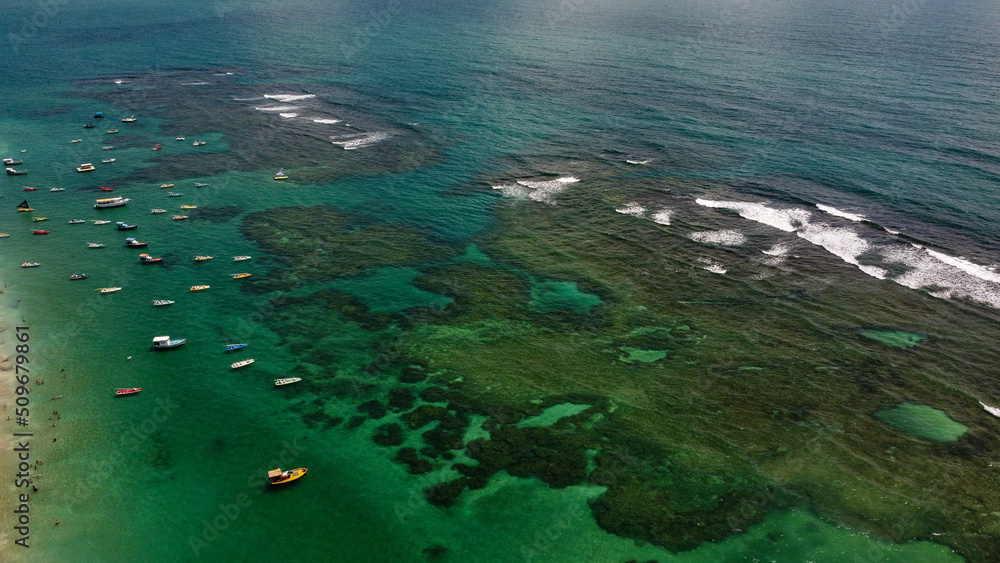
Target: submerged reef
708	400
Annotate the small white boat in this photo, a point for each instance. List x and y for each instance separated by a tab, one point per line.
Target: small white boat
180	138
107	147
158	211
77	141
94	245
162	302
241	363
31	264
198	143
4	235
161	342
76	221
286	381
240	258
128	119
172	194
180	217
57	189
200	184
108	160
100	222
108	289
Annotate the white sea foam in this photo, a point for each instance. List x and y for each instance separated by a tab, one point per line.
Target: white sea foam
992	410
289	97
724	238
288	115
327	121
890	231
839	213
536	190
945	278
715	268
277	108
361	140
194	83
779	249
639	162
662	216
966	266
844	243
632	208
788	220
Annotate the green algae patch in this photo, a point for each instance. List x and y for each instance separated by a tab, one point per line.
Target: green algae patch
633	355
391	290
549	296
894	338
924	422
552	414
475	256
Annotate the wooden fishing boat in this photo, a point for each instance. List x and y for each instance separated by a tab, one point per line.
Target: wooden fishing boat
241	275
129	391
286	381
231	347
31	264
279	477
162	302
199	287
164	342
202	258
241	363
166	185
180	217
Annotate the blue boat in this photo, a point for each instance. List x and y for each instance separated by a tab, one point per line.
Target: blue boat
98	115
231	347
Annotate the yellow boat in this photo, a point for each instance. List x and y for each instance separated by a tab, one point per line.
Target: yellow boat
240	276
279	477
4	235
39	218
199	287
200	258
166	185
23	209
189	207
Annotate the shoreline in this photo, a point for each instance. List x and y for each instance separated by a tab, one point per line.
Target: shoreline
8	495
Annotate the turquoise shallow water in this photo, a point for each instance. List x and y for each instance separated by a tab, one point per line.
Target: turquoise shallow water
871	111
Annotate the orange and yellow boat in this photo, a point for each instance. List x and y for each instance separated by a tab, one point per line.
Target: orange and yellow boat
279	477
199	287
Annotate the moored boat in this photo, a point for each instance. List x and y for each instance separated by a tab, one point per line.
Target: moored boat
112	131
158	211
179	139
162	342
97	222
240	258
89	126
241	275
147	259
132	243
200	184
162	302
107	202
4	235
180	217
198	143
30	188
108	289
98	114
31	264
281	175
157	147
76	140
86	167
39	232
279	477
231	347
76	221
12	172
128	119
202	258
79	276
108	160
94	245
128	391
126	227
199	287
189	207
166	185
241	363
57	189
12	162
286	381
37	219
107	147
172	194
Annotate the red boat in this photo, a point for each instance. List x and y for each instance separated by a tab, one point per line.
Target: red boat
129	391
157	147
107	189
29	189
40	232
